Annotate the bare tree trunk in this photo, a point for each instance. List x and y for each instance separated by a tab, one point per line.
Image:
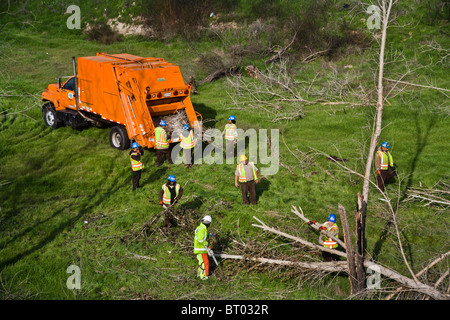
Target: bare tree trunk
349	249
386	6
360	245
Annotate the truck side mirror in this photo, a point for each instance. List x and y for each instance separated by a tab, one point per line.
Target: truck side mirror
59	82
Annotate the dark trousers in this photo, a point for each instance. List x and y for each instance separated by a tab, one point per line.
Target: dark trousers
248	188
328	257
161	155
384	177
136	176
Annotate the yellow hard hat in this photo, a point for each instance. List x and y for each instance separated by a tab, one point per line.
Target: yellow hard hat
242	158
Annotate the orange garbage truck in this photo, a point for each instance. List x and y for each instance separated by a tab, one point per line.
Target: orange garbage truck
128	93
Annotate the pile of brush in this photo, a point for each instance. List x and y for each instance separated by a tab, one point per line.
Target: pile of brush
175	124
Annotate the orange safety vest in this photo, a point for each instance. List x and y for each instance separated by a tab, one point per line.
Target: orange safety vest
328	242
187	142
241	171
136	165
385	159
166	195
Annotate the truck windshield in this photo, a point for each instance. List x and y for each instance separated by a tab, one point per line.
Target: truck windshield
70	85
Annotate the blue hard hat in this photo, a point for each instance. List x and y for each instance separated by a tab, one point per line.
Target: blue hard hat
332	217
172	178
163	123
185	127
231	117
385	145
135	145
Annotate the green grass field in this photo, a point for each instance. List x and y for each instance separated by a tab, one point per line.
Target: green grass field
66	199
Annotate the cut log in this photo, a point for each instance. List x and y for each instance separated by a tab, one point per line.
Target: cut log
220	74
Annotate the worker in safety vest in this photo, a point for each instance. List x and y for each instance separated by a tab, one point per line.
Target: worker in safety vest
384	164
200	247
162	144
187	143
247	174
169	194
231	135
136	164
332	228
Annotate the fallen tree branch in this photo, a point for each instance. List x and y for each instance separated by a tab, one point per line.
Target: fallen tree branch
315	55
430	196
278	55
335	266
391	274
220	74
433	263
417	85
297	239
314	226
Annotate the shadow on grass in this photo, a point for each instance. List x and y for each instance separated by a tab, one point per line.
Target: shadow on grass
93	200
261	187
421	143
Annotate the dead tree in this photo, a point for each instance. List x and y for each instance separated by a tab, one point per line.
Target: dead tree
350	267
386	6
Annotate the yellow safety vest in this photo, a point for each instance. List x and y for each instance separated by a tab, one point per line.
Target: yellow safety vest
328	242
161	138
187	142
166	195
136	165
229	131
200	239
386	160
241	171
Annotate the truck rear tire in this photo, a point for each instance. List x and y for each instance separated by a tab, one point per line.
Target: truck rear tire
118	138
50	116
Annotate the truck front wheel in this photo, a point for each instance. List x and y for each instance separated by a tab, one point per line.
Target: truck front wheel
50	116
118	138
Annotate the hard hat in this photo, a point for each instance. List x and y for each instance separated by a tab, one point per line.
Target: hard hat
135	145
172	178
332	217
385	145
185	127
231	118
163	123
207	219
242	158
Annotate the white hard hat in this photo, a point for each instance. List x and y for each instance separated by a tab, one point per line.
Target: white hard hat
207	219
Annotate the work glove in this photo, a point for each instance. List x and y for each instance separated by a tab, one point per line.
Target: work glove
311	222
379	172
161	203
322	228
211	235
